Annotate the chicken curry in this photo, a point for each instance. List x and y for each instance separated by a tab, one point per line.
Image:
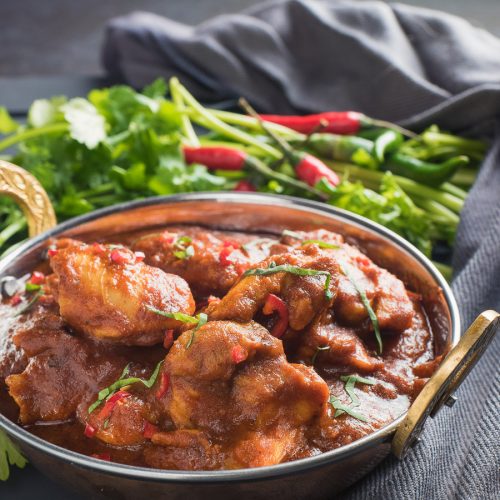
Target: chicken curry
193	349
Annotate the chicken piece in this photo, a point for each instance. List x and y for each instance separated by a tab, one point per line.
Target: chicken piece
63	371
122	421
235	386
216	262
303	295
330	344
104	292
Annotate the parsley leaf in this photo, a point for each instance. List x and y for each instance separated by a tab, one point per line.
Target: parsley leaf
9	455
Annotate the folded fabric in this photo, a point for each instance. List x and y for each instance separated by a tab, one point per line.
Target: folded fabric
394	62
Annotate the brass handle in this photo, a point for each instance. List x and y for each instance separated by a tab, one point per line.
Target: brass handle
446	380
23	188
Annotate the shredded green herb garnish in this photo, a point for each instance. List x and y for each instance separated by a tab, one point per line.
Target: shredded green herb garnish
292	234
9	455
33	301
184	252
203	318
123	381
32	287
342	408
350	381
298	271
321	244
200	320
368	307
318	350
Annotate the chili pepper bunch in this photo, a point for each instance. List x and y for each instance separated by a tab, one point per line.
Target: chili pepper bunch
119	145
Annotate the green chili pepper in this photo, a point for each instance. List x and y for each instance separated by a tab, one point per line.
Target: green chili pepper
387	142
432	174
338	147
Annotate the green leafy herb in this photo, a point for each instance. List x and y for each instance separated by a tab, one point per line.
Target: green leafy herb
7	123
30	303
368	307
184	252
298	271
342	408
318	350
123	381
200	320
321	244
350	381
9	455
32	287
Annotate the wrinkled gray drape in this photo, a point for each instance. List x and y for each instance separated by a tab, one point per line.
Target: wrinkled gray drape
394	62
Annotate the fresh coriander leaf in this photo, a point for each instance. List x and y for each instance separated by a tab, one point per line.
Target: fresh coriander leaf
202	320
7	123
9	455
156	89
342	408
87	126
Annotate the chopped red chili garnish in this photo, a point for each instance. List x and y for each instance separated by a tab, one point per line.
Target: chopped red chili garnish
37	278
168	339
102	456
164	385
228	247
98	248
16	299
89	431
111	403
238	354
275	304
139	256
52	251
120	256
149	430
168	237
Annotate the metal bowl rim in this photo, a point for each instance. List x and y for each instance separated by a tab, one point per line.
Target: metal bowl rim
261	473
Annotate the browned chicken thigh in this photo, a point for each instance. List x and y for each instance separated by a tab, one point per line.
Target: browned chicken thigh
105	292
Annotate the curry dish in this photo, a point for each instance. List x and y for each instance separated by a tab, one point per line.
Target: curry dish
194	349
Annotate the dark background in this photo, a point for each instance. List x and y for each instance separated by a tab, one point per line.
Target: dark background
54	37
46	46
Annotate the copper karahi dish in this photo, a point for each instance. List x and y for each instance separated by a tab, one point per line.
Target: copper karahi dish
245	345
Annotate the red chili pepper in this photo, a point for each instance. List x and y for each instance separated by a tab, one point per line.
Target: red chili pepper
37	278
168	237
52	251
238	354
111	403
120	256
216	157
102	456
89	431
164	385
139	256
275	304
311	170
98	248
16	299
229	246
337	122
168	340
149	430
245	186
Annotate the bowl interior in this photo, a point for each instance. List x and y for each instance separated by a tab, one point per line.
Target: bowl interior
257	214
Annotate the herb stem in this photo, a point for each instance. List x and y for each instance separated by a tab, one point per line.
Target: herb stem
31	133
186	125
213	123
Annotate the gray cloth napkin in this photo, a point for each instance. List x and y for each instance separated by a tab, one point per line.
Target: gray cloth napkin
393	62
